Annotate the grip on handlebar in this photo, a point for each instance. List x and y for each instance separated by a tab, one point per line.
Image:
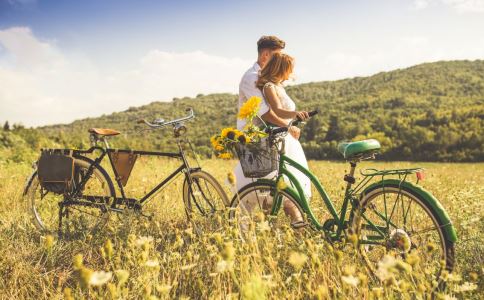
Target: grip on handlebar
142	121
311	113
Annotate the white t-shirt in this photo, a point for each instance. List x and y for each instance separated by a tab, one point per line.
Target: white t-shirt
247	89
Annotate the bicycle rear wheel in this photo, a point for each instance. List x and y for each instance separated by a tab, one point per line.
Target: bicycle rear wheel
251	209
396	221
79	216
204	200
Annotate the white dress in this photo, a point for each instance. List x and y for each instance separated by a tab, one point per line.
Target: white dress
293	150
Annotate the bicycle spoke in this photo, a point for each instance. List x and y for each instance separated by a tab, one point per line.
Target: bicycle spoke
386	210
419	232
393	209
210	195
387	221
405	214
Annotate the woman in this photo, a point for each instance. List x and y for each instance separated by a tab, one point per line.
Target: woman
275	72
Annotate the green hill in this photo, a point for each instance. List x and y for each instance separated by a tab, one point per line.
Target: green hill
429	112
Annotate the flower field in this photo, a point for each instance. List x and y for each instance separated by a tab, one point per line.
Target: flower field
163	258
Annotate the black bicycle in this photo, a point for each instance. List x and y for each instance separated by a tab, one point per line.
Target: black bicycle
70	192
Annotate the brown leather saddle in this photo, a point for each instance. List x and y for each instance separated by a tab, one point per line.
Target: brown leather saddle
104	131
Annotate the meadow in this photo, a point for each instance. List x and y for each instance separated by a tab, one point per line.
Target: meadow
163	258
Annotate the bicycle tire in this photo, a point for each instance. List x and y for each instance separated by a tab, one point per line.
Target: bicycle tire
32	192
202	209
248	219
447	247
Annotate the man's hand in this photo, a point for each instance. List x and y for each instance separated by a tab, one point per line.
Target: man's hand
295	132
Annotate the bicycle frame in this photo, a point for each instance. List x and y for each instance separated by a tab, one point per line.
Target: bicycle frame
284	161
183	168
338	220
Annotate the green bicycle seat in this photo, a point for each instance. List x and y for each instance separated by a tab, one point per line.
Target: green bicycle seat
354	149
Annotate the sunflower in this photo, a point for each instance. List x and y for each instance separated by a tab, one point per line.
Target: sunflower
243	139
216	142
226	131
250	108
231	133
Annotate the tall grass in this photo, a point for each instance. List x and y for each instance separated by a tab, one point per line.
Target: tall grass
163	258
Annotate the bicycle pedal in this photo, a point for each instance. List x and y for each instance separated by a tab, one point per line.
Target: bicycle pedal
299	224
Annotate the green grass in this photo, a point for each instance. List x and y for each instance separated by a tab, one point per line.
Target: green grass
162	258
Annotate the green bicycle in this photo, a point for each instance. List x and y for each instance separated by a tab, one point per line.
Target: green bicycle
390	215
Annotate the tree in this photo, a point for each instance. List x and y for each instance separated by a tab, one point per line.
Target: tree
6	126
333	130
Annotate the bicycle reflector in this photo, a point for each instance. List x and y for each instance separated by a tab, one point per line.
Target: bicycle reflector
420	175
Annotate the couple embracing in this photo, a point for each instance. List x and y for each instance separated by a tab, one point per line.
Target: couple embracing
265	80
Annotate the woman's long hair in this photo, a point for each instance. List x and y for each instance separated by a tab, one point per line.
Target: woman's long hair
278	69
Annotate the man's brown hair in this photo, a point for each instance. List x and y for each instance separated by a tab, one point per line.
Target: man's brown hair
270	42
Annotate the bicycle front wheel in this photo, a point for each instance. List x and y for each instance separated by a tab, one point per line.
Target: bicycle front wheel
397	221
79	216
251	210
204	200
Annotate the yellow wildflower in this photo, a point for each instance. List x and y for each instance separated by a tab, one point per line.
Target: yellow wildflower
77	261
122	276
231	177
225	155
297	260
250	108
49	242
281	184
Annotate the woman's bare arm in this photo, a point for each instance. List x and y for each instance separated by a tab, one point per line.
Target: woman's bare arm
275	103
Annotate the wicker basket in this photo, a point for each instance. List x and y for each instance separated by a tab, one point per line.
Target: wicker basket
257	159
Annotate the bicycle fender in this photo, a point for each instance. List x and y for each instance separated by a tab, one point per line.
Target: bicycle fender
442	215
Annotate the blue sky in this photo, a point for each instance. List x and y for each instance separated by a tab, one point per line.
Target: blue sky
59	57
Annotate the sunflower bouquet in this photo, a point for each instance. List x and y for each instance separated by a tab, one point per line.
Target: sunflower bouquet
224	143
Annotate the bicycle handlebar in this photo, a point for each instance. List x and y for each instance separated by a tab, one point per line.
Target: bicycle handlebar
293	123
161	123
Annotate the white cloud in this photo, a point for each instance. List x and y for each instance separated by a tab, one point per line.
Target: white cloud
461	6
421	4
39	84
400	53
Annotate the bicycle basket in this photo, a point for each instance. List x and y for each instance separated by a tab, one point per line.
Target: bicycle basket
257	159
123	163
55	171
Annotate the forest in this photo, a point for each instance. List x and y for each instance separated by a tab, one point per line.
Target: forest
428	112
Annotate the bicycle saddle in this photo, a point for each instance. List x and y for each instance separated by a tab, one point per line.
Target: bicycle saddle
353	149
104	131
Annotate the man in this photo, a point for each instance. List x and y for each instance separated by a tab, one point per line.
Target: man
266	47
